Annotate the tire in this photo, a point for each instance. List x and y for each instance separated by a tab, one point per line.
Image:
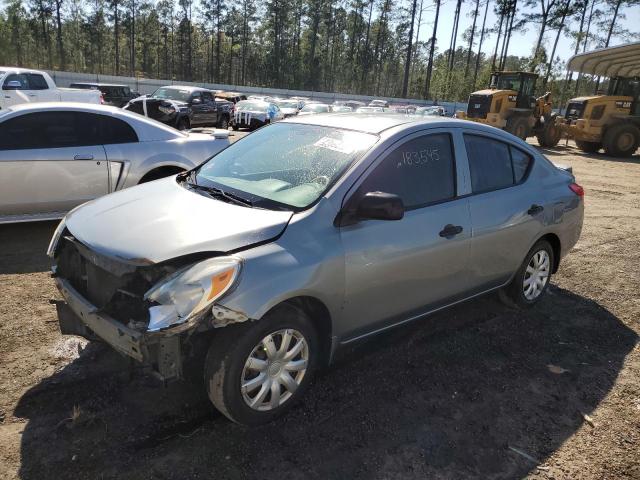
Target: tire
235	127
550	134
588	147
224	123
621	140
514	294
183	124
518	126
159	173
226	363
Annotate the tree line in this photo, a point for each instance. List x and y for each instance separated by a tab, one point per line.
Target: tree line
370	47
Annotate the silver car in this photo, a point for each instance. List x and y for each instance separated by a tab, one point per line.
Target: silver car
55	156
305	236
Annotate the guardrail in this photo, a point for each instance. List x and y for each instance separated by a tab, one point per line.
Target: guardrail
149	85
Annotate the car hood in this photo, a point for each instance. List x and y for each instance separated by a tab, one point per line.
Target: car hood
161	220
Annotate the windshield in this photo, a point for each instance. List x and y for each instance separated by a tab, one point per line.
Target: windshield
506	82
370	110
288	104
341	108
288	163
172	94
315	108
254	106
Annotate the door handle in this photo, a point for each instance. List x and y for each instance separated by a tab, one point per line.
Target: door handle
450	230
83	157
535	209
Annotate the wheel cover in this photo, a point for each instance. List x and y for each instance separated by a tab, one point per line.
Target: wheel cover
625	141
536	275
274	369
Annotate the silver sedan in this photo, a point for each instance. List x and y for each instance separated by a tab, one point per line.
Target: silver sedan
55	156
308	235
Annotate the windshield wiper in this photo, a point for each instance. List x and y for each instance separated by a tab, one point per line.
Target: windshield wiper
217	192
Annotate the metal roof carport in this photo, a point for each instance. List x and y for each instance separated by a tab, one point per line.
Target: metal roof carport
622	60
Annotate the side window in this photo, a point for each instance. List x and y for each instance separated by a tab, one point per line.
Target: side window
196	95
493	164
420	171
37	82
47	130
521	162
207	97
114	130
17	77
489	163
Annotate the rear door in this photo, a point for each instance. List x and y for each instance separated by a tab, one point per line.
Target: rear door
38	84
507	211
210	109
397	269
50	162
16	90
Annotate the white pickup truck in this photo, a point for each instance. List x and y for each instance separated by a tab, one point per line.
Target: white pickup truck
22	85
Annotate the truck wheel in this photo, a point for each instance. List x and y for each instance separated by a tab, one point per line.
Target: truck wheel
224	123
621	140
254	372
235	127
518	126
550	134
183	124
588	147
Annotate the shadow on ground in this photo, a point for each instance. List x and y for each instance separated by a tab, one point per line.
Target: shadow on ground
24	247
442	398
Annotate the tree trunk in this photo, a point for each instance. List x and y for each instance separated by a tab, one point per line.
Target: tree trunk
417	41
365	63
133	38
495	51
61	57
475	72
116	39
473	32
508	38
543	27
427	85
565	10
569	77
584	45
407	64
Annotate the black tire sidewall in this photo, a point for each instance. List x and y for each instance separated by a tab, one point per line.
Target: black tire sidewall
611	137
240	346
515	292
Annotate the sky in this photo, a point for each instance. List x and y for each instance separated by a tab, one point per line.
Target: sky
521	43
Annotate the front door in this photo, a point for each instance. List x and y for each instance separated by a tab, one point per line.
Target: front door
16	90
399	269
47	165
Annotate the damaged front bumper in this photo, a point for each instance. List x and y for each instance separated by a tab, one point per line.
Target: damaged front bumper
160	351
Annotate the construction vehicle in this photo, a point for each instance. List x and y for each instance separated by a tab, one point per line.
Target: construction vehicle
611	121
509	104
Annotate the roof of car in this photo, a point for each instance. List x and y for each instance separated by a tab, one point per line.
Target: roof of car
377	123
187	87
98	84
77	106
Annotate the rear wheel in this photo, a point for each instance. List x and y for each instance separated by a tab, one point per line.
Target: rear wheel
256	371
532	278
550	134
518	126
183	124
621	140
224	123
588	147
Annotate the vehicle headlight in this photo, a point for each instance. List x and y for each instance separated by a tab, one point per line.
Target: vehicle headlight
56	237
167	110
187	293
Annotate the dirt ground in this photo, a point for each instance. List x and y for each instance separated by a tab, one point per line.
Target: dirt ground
479	391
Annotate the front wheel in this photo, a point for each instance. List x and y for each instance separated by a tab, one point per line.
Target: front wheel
621	140
532	278
255	372
550	134
224	123
588	147
518	126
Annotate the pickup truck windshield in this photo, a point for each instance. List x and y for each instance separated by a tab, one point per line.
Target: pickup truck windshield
172	94
288	163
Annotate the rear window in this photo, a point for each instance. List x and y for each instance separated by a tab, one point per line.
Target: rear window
37	82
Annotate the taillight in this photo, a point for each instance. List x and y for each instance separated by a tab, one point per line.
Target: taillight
577	189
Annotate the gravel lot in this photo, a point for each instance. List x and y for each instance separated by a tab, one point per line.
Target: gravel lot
480	391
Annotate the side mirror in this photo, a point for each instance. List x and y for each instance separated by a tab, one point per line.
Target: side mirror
372	206
196	101
12	85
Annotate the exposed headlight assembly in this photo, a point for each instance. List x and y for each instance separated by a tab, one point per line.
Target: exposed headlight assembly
167	110
186	295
